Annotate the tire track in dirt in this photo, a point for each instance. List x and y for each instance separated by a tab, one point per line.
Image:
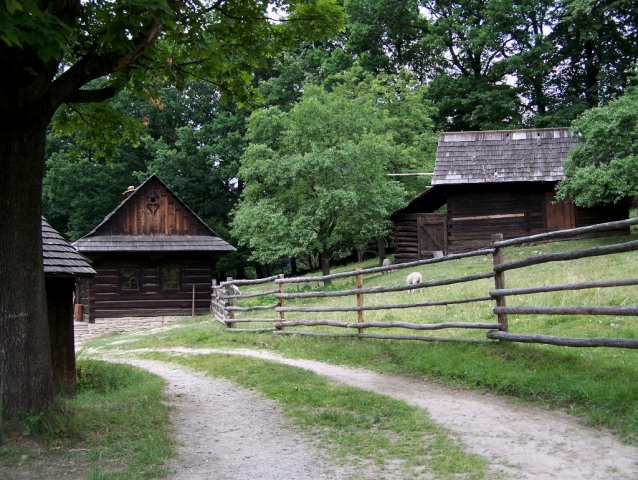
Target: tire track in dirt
520	441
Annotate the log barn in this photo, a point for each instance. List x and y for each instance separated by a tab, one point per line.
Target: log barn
493	182
63	266
153	257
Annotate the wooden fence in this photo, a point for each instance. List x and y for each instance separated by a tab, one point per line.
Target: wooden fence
225	295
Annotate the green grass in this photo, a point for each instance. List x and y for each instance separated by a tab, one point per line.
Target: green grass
117	427
351	423
599	384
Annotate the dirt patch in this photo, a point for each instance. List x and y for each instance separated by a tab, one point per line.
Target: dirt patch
227	432
520	441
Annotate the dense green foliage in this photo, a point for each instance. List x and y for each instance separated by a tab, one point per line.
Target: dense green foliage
605	168
315	177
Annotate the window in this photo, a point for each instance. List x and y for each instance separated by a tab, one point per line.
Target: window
130	279
170	278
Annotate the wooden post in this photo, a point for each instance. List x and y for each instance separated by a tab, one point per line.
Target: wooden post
499	281
213	295
193	310
231	302
78	312
360	301
281	303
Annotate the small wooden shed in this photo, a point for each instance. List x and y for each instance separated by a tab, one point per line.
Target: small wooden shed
153	256
63	265
493	182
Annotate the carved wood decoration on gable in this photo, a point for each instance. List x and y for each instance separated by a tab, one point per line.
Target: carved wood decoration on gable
153	200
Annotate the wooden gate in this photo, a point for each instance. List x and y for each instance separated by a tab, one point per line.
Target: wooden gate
558	215
432	234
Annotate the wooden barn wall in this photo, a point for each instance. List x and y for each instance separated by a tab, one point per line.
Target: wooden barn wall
406	241
477	212
602	214
107	300
153	211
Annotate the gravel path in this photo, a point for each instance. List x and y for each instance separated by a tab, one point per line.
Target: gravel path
227	432
521	441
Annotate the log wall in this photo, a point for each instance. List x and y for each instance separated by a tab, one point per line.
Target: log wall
107	299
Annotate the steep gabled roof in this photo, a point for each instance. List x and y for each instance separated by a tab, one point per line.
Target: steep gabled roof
59	257
105	237
502	156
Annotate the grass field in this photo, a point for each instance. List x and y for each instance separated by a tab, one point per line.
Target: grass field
600	384
116	428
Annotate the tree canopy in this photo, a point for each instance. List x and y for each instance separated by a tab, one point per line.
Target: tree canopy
605	168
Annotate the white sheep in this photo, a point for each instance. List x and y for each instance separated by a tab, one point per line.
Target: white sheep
386	263
413	279
234	289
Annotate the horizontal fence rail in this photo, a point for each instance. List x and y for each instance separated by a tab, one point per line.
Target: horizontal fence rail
397	266
380	337
400	288
249	309
410	326
383	307
250	295
564	341
563	287
565	234
584	310
248	282
573	255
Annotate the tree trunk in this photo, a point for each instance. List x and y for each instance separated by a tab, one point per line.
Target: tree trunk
293	267
381	248
325	265
25	355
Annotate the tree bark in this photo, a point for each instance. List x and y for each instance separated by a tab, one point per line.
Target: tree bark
325	265
381	248
25	354
293	267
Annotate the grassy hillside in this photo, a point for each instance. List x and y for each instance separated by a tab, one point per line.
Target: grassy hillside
600	384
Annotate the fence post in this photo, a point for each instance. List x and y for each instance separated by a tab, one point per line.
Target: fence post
193	310
213	294
231	302
281	303
360	301
499	280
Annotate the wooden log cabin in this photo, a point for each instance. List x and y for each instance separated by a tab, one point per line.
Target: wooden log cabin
150	253
493	182
63	266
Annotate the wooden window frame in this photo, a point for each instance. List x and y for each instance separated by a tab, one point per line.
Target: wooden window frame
122	283
163	288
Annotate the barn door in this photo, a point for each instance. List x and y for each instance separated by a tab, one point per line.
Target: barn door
558	215
432	234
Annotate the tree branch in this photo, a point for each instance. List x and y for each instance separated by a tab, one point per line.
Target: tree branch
91	96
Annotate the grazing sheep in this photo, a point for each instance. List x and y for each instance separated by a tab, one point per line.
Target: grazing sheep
386	263
413	279
234	290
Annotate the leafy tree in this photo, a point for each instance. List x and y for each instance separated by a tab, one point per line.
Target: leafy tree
605	168
77	54
322	186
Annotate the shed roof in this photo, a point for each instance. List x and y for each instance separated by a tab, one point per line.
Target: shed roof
59	257
95	241
502	156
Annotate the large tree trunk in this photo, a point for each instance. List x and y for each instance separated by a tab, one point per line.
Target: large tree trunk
25	356
325	265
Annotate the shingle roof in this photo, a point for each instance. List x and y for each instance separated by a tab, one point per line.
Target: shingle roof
153	243
59	257
502	156
92	243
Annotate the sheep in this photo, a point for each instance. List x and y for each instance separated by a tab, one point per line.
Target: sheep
386	263
234	289
413	279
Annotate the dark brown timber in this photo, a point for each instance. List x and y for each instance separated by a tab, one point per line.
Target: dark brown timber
561	287
582	310
398	266
381	337
382	307
574	255
411	326
575	232
564	342
400	288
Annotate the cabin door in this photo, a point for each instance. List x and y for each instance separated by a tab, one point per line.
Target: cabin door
432	234
558	215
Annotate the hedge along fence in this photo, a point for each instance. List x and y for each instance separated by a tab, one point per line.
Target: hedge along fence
497	331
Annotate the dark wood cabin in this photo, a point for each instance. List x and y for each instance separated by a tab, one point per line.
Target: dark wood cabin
149	253
493	182
63	265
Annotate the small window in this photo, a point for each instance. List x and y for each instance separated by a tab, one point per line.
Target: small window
170	278
130	279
